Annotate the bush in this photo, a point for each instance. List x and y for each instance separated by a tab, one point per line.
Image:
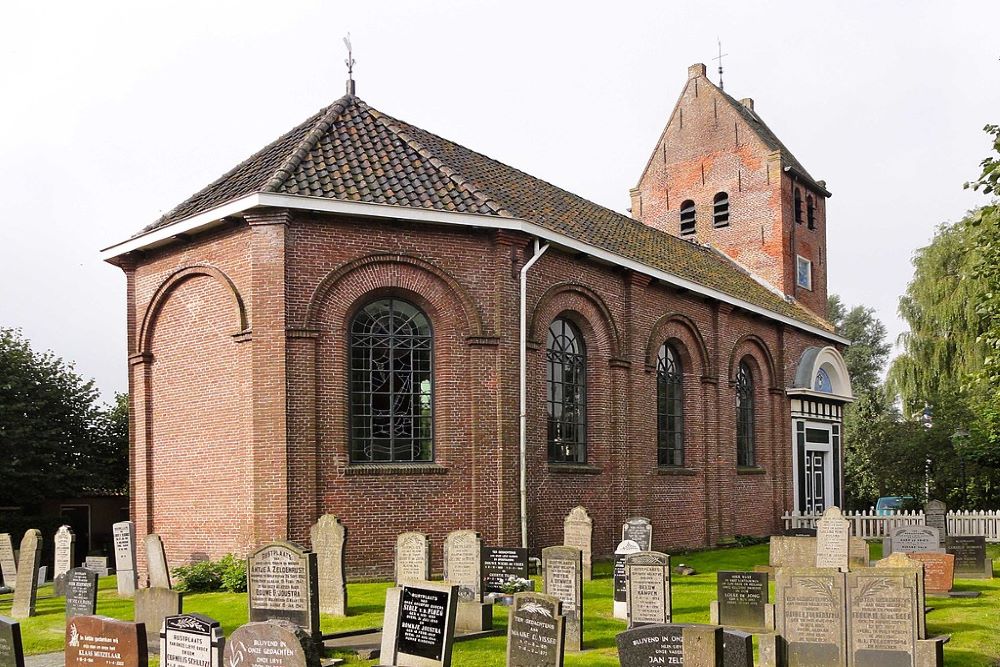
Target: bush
234	574
229	573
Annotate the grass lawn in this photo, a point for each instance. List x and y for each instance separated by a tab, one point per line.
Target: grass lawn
973	623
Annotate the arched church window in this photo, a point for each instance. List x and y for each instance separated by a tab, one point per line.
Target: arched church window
720	214
669	407
798	206
687	217
391	384
811	212
744	416
566	393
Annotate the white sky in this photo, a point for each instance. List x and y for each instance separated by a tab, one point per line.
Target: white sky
113	112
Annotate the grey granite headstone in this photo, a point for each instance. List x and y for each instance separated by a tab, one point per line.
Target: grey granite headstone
329	541
98	564
833	537
152	605
8	563
281	585
578	531
536	631
123	534
413	557
936	516
690	645
882	617
11	649
156	562
425	625
811	611
970	556
742	599
97	641
911	539
191	640
270	644
624	549
639	530
737	648
647	576
81	592
562	577
64	557
26	590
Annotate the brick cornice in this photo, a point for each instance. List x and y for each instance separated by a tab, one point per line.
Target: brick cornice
269	217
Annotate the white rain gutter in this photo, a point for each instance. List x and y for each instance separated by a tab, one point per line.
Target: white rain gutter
523	380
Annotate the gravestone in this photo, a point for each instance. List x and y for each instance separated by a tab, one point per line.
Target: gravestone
562	577
578	531
690	645
939	571
191	640
43	573
11	649
98	564
737	648
390	620
792	552
625	548
328	537
123	534
639	530
270	644
900	560
536	631
970	557
499	564
26	590
833	536
799	532
413	557
81	592
152	606
461	568
8	563
63	557
647	576
156	563
810	616
857	552
419	625
910	539
883	607
742	600
281	585
936	516
97	641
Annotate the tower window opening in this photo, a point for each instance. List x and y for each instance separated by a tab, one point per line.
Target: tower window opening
720	214
687	217
798	206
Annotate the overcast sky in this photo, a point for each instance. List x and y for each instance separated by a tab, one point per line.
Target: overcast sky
114	112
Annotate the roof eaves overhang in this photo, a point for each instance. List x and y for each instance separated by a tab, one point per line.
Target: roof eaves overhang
214	217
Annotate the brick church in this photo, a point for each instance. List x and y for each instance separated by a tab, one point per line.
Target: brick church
368	320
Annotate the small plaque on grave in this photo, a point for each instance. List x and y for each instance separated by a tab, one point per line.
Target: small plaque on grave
281	585
639	530
648	581
426	623
742	599
96	641
270	644
970	555
500	564
81	592
536	631
11	649
191	640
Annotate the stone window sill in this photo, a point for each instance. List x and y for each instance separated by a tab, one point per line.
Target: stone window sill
574	468
395	469
675	470
750	470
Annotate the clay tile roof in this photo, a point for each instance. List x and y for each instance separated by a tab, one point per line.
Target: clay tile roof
352	152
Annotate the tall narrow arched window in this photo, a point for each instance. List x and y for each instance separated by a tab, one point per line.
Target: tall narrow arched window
669	407
687	217
744	416
391	384
810	212
566	393
720	213
798	205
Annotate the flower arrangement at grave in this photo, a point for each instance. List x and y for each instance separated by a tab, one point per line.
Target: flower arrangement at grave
515	584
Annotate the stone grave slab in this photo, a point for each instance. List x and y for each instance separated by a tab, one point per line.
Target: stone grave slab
910	539
281	585
390	620
461	567
647	576
424	626
191	640
742	600
26	590
81	592
900	560
64	557
536	631
639	529
939	571
8	563
970	557
123	534
152	606
500	564
156	562
737	648
936	516
11	648
799	532
328	538
624	549
811	616
98	564
883	607
413	557
43	574
792	551
562	577
97	641
690	645
578	531
270	644
857	552
833	537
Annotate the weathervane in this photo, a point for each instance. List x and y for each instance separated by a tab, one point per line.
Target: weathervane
719	58
350	65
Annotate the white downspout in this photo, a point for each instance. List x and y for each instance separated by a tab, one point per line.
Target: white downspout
523	350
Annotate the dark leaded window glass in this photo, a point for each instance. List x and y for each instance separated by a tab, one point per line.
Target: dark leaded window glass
744	416
566	389
391	406
669	407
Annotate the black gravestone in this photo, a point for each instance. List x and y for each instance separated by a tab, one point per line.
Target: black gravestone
639	530
422	628
800	532
621	589
191	640
737	648
651	645
536	632
970	554
11	651
81	592
499	564
742	599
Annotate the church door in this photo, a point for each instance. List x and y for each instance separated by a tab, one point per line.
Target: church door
817	455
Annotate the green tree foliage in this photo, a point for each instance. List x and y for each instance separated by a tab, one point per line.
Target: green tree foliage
869	350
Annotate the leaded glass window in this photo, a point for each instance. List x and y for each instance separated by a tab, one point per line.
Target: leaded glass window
566	389
669	407
744	416
391	384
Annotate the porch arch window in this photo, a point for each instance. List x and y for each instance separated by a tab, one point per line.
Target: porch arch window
745	436
669	407
391	384
566	393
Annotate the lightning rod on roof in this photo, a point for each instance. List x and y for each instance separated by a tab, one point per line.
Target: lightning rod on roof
350	65
719	58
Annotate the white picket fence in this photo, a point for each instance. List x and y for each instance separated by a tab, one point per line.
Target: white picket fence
869	525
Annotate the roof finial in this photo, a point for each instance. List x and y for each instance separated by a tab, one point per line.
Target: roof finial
350	65
719	58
